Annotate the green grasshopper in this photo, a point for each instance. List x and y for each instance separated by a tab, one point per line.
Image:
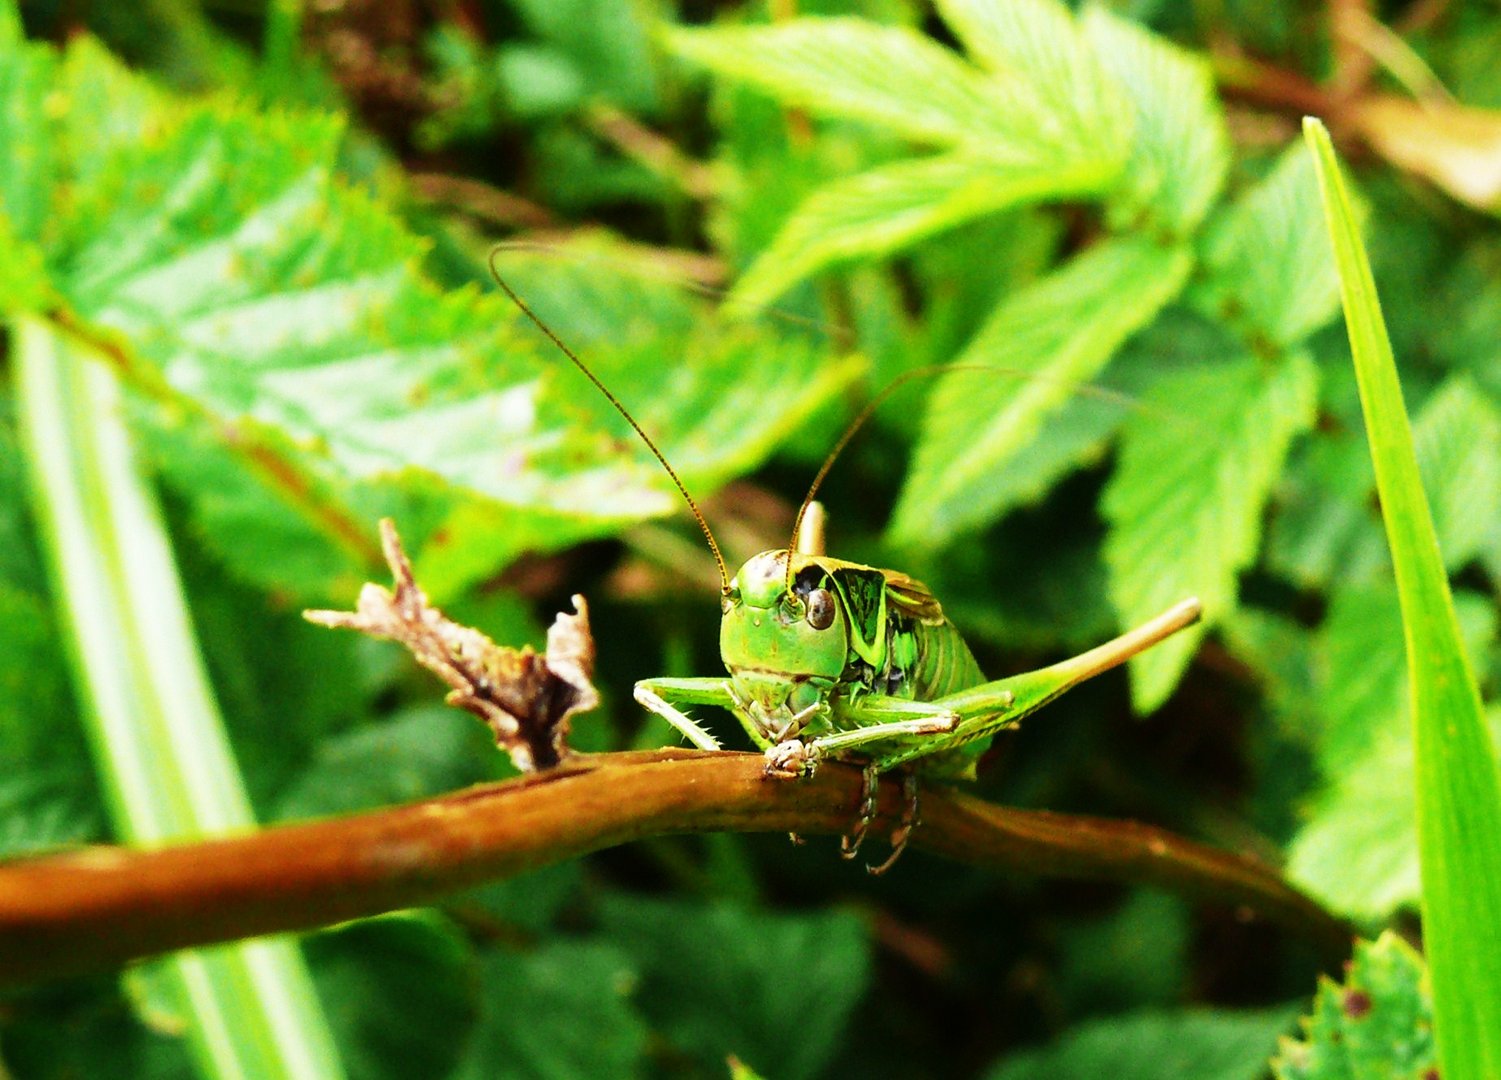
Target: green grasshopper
829	659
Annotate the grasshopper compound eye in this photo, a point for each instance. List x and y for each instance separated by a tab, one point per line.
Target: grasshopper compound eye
820	609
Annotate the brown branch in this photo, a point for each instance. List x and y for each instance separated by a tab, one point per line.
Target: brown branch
90	910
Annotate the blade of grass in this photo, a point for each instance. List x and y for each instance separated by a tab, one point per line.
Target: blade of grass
152	723
1458	781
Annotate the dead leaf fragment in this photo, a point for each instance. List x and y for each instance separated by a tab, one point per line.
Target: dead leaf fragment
527	699
1454	146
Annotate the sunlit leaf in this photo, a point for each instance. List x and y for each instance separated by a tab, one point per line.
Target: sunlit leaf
278	312
27	141
887	208
1267	266
1045	341
1040	41
1180	149
28	149
1358	849
1185	502
1457	435
891	76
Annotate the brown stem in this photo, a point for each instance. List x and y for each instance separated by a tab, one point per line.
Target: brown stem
656	152
481	200
1269	87
93	909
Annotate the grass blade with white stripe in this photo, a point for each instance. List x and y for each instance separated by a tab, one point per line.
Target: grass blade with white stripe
156	733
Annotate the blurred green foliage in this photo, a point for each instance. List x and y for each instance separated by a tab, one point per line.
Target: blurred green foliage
286	257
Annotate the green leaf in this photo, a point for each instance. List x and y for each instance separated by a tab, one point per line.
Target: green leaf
1134	957
714	979
889	207
564	1011
1458	780
1362	691
1202	1043
1185	502
1040	42
529	902
367	972
35	705
1267	269
109	109
1362	688
1358	850
277	311
1046	339
1180	148
38	816
20	563
1376	1025
1280	650
1052	600
97	1029
28	149
896	78
1016	249
609	43
424	752
263	532
1326	531
1457	435
27	143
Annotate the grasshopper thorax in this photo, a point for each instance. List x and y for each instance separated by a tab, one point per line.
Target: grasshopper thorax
783	647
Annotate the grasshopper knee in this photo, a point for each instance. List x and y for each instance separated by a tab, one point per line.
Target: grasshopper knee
942	724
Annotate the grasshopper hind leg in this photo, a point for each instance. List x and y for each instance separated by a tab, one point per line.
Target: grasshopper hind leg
903	832
865	812
849	845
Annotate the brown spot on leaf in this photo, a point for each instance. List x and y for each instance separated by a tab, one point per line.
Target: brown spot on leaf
1357	1004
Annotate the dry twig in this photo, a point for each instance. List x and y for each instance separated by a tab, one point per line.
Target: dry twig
528	700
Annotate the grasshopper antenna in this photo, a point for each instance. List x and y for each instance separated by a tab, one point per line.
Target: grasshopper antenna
880	399
844	440
724	576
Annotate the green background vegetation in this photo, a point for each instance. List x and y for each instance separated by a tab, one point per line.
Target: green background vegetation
271	225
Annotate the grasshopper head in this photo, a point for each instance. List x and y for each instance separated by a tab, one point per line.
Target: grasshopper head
783	646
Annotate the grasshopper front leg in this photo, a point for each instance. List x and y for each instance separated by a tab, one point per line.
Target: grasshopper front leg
662	696
876	717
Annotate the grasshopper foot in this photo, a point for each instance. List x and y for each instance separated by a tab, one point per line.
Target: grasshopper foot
865	813
791	759
903	832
